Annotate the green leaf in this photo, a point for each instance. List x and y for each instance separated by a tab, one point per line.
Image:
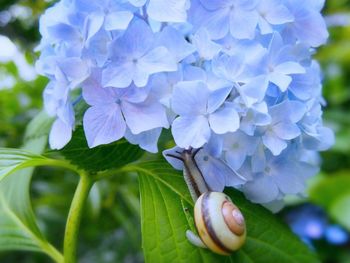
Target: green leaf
165	220
102	157
18	227
333	193
12	160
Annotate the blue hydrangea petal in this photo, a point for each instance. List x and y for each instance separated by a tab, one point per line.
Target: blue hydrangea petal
280	80
273	12
175	163
290	68
261	190
258	161
66	113
235	159
192	73
216	173
217	98
133	94
60	134
138	3
63	32
94	23
147	140
336	235
237	147
103	124
119	76
224	120
218	4
206	48
308	25
303	85
287	177
191	131
278	14
175	42
254	91
88	6
286	131
95	95
134	43
288	110
321	141
219	20
274	143
157	60
215	145
98	48
229	67
75	70
55	95
144	117
213	171
264	26
118	20
190	97
312	29
274	206
168	10
243	24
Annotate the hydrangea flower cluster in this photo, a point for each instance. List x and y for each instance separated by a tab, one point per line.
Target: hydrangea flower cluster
310	223
235	77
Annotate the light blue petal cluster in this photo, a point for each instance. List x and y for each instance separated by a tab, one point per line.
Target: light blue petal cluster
235	77
311	224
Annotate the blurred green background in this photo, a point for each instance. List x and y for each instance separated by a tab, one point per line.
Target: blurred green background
110	230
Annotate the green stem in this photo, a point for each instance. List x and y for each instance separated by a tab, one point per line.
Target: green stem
74	218
51	162
53	253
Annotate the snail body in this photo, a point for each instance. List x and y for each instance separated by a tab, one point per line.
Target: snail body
219	222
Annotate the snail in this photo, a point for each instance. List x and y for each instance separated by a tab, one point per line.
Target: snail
219	222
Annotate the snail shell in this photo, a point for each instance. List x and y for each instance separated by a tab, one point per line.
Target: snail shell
220	224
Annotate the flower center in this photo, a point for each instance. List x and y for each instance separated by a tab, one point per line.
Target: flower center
235	145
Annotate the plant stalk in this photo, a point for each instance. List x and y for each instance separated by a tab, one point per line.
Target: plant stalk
74	218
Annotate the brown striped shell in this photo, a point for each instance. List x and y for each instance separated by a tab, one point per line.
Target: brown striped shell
220	224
